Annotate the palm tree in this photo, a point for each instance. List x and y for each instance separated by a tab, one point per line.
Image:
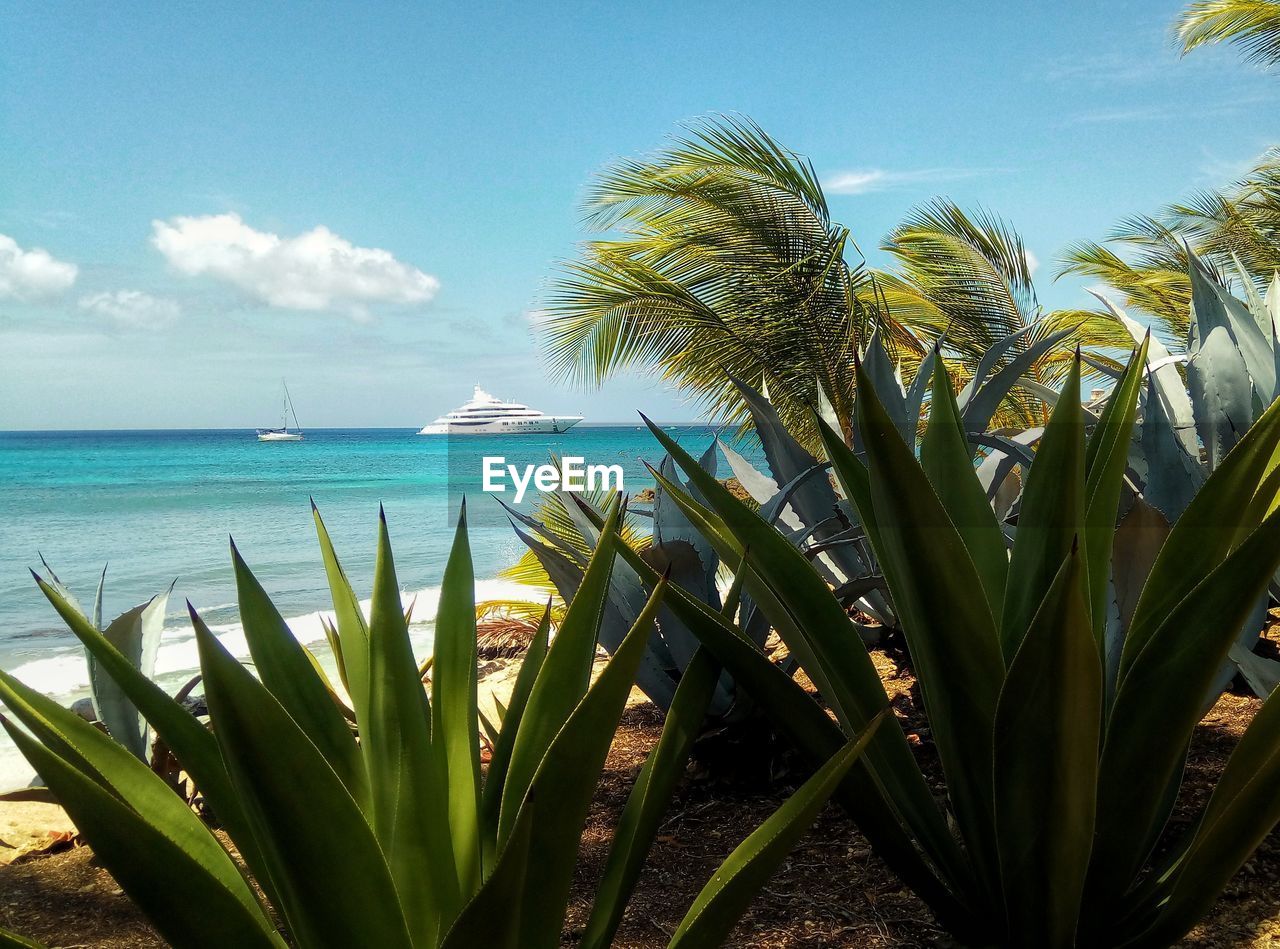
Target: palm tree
968	278
722	258
1254	24
1236	230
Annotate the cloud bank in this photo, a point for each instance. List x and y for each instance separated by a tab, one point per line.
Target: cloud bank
132	309
316	270
35	274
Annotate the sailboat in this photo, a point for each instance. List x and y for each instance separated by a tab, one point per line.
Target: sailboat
282	434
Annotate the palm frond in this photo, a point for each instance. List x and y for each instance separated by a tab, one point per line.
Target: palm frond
965	277
1253	24
1148	265
721	257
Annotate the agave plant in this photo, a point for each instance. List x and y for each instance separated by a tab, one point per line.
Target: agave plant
399	839
1059	792
136	634
1188	425
798	496
561	538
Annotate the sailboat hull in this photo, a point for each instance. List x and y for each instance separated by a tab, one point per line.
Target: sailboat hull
279	437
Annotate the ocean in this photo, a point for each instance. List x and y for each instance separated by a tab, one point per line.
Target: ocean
157	507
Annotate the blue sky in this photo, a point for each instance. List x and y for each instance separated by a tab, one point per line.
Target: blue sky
369	199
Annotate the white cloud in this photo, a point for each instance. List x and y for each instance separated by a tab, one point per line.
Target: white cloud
316	270
132	309
32	274
867	180
1033	262
856	182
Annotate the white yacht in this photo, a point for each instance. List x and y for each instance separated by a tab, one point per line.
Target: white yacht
486	415
282	434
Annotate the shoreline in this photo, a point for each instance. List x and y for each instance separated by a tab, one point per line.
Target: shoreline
65	676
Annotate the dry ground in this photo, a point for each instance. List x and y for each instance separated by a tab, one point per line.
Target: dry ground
831	892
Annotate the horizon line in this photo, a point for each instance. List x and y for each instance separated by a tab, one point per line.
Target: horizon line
340	428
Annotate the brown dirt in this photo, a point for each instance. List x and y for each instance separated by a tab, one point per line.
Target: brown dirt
831	892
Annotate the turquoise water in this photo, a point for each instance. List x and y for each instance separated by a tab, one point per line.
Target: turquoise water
159	507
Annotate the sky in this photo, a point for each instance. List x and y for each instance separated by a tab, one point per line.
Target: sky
198	200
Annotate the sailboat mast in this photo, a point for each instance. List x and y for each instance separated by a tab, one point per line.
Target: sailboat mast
289	410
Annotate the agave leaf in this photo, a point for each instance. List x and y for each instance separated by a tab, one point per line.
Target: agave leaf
564	572
1254	346
11	940
1217	376
287	671
1151	720
553	541
136	634
670	525
64	592
82	751
561	791
1106	458
1165	380
625	600
1211	525
335	647
1244	808
813	500
410	802
978	409
34	793
800	605
1047	730
189	740
947	463
297	807
1171	475
933	581
1262	674
916	392
190	901
988	362
819	737
496	777
96	619
726	896
1007	454
490	729
732	548
1051	516
353	631
683	566
495	916
1256	304
565	674
1137	542
826	411
454	727
641	818
879	369
760	486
